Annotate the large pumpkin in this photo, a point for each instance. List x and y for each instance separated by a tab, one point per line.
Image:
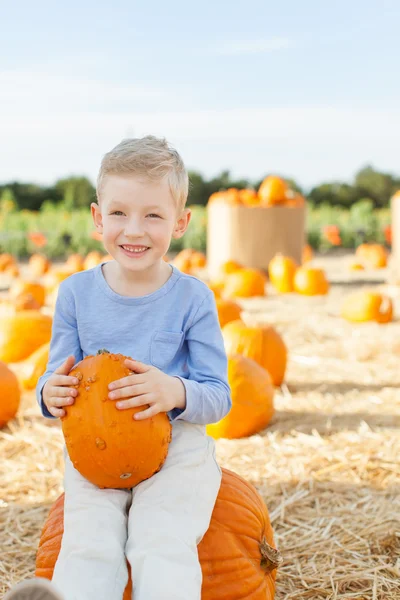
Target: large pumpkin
107	445
281	270
36	290
252	400
22	333
245	283
365	305
261	343
9	394
228	311
237	554
310	281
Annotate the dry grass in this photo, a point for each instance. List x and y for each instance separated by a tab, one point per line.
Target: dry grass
328	466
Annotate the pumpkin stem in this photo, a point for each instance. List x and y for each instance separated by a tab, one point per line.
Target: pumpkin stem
271	558
103	351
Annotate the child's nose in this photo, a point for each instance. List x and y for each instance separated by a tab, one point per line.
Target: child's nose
134	228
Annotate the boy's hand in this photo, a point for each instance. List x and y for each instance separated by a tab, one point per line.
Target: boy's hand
147	385
56	392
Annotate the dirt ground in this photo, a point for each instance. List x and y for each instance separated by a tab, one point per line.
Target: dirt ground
327	466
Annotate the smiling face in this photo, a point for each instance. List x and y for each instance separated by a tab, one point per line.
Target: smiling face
137	219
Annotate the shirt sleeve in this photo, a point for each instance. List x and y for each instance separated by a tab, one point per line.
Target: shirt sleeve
64	342
208	397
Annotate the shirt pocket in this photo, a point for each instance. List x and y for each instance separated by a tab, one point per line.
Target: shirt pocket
164	347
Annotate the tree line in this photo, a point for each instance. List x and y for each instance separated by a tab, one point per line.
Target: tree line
78	192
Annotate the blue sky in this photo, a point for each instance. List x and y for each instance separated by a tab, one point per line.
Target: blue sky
307	89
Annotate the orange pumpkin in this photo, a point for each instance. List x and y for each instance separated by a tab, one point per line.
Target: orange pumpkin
75	263
373	255
228	311
365	305
6	261
182	260
92	259
216	287
10	395
273	190
25	301
262	344
36	290
12	271
237	554
249	197
252	394
281	270
54	277
229	266
34	367
38	265
245	283
96	432
230	196
307	254
22	333
198	260
310	281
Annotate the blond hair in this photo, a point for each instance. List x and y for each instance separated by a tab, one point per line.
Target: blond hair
150	157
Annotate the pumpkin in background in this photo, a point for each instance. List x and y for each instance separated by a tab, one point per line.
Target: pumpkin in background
198	260
6	261
34	367
237	553
74	263
230	196
38	265
281	270
373	255
54	277
96	432
307	254
310	281
92	259
25	301
365	305
182	261
249	197
261	343
245	283
229	266
273	190
10	395
12	271
22	333
252	395
216	287
37	290
228	311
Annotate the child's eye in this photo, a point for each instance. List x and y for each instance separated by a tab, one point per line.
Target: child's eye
117	212
154	216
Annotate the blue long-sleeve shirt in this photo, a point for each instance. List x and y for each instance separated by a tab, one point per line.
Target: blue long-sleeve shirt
175	328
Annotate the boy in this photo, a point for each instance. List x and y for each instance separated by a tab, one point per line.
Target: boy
140	306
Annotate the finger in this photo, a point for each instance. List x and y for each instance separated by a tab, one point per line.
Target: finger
134	402
136	366
147	413
125	382
61	380
66	365
129	392
63	392
56	412
57	402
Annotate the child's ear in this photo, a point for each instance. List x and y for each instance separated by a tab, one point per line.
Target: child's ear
96	215
182	223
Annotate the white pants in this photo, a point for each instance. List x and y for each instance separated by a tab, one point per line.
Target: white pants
156	526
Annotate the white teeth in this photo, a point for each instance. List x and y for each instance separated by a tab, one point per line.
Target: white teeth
135	250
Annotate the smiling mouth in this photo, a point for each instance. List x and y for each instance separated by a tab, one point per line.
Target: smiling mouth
135	249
